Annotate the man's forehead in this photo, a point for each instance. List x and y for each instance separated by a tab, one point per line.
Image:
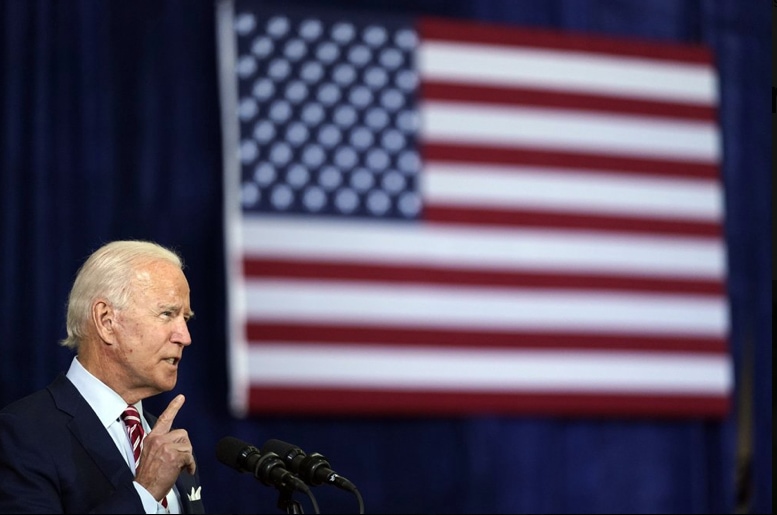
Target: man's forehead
166	285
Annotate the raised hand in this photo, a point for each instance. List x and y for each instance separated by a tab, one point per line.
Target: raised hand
165	453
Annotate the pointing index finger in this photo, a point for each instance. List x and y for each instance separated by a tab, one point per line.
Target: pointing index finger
165	420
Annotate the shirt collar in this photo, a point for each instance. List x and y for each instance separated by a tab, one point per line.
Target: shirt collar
107	404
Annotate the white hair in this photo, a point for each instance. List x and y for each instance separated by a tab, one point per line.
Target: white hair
108	274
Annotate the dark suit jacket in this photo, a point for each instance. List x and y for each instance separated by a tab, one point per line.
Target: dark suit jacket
56	457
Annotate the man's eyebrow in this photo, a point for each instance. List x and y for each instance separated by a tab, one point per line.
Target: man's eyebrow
177	308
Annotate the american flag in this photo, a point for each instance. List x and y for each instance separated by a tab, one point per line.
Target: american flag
436	217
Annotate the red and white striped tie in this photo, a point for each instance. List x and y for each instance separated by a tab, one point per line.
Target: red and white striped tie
131	419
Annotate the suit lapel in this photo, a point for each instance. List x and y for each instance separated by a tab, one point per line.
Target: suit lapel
89	431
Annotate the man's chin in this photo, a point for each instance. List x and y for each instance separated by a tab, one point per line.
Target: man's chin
168	382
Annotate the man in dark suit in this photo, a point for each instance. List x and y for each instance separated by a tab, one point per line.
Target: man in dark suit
67	448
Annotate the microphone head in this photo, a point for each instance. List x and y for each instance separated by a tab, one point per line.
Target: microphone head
233	452
266	466
280	448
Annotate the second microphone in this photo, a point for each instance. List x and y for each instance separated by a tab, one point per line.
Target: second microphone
313	469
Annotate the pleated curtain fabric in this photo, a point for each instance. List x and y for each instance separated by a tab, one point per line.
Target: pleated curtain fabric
131	419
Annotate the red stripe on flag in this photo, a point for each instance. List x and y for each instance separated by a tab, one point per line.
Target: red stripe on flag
554	220
325	401
432	90
562	159
300	332
481	33
359	272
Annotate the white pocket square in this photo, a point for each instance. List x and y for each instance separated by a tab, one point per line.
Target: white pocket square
195	495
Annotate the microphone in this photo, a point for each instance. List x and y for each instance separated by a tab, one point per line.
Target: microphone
266	466
314	469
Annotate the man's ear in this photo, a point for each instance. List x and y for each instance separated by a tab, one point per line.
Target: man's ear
104	320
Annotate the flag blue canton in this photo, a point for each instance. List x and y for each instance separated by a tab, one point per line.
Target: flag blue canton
328	116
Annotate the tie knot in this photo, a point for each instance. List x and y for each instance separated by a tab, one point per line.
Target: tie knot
130	416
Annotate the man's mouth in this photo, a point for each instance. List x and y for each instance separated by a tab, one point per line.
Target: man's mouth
173	361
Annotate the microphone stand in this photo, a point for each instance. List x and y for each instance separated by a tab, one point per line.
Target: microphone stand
286	501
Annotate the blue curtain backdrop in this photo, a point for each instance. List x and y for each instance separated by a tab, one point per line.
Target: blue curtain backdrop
110	129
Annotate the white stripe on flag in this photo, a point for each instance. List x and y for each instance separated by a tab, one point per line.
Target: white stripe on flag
401	368
632	136
565	71
398	305
482	247
563	190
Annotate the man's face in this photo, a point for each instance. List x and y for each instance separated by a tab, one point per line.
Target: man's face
152	331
